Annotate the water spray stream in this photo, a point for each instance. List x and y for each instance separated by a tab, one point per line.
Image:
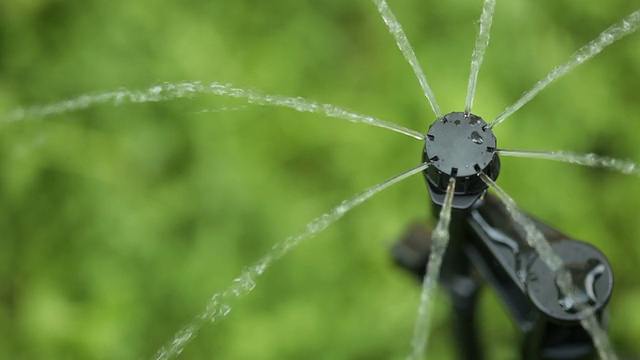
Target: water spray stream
221	303
170	91
405	47
221	109
617	31
537	240
439	242
482	41
591	160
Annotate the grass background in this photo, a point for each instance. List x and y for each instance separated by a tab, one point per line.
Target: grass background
119	222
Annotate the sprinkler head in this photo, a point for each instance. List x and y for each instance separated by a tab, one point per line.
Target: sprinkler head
460	145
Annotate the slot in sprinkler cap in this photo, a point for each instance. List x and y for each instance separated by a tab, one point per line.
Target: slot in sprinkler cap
460	145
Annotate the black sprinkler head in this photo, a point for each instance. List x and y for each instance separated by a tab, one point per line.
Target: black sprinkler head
460	145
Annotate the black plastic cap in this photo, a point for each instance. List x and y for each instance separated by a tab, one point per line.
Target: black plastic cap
460	145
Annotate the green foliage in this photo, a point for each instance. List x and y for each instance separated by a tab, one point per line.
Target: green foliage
119	222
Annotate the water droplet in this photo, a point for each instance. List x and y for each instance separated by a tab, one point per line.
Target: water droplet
473	121
522	271
522	275
476	138
243	285
224	311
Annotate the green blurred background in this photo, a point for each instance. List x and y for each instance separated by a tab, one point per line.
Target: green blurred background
117	223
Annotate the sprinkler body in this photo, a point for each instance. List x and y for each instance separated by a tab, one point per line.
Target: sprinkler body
488	247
